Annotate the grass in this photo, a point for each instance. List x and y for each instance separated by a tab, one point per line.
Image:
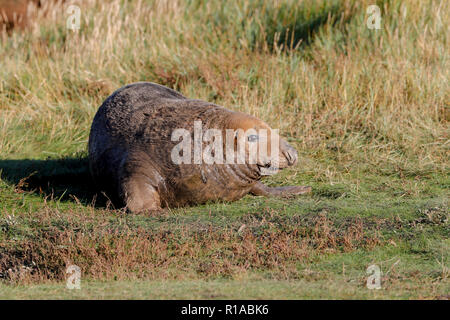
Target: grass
366	109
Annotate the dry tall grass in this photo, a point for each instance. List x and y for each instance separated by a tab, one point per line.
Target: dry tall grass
369	98
107	250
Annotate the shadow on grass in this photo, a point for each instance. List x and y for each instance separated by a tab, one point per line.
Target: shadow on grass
65	179
298	26
294	24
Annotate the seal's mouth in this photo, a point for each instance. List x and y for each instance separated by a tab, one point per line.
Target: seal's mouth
287	158
268	169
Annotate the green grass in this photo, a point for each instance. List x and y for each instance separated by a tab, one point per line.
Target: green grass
366	109
333	236
341	287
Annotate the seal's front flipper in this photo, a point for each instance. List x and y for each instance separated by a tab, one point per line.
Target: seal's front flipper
139	195
260	189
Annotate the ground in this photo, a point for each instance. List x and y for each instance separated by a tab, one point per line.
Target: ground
366	109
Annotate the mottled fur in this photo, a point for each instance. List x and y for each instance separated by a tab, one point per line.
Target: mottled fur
130	151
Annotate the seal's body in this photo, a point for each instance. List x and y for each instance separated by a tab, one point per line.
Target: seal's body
131	158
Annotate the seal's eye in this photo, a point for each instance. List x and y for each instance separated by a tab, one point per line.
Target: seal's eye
253	138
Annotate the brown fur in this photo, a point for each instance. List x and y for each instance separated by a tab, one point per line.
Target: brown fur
14	13
130	151
18	14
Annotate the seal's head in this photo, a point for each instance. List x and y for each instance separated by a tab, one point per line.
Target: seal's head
265	151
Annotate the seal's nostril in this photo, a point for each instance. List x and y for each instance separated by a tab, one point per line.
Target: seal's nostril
291	156
295	158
